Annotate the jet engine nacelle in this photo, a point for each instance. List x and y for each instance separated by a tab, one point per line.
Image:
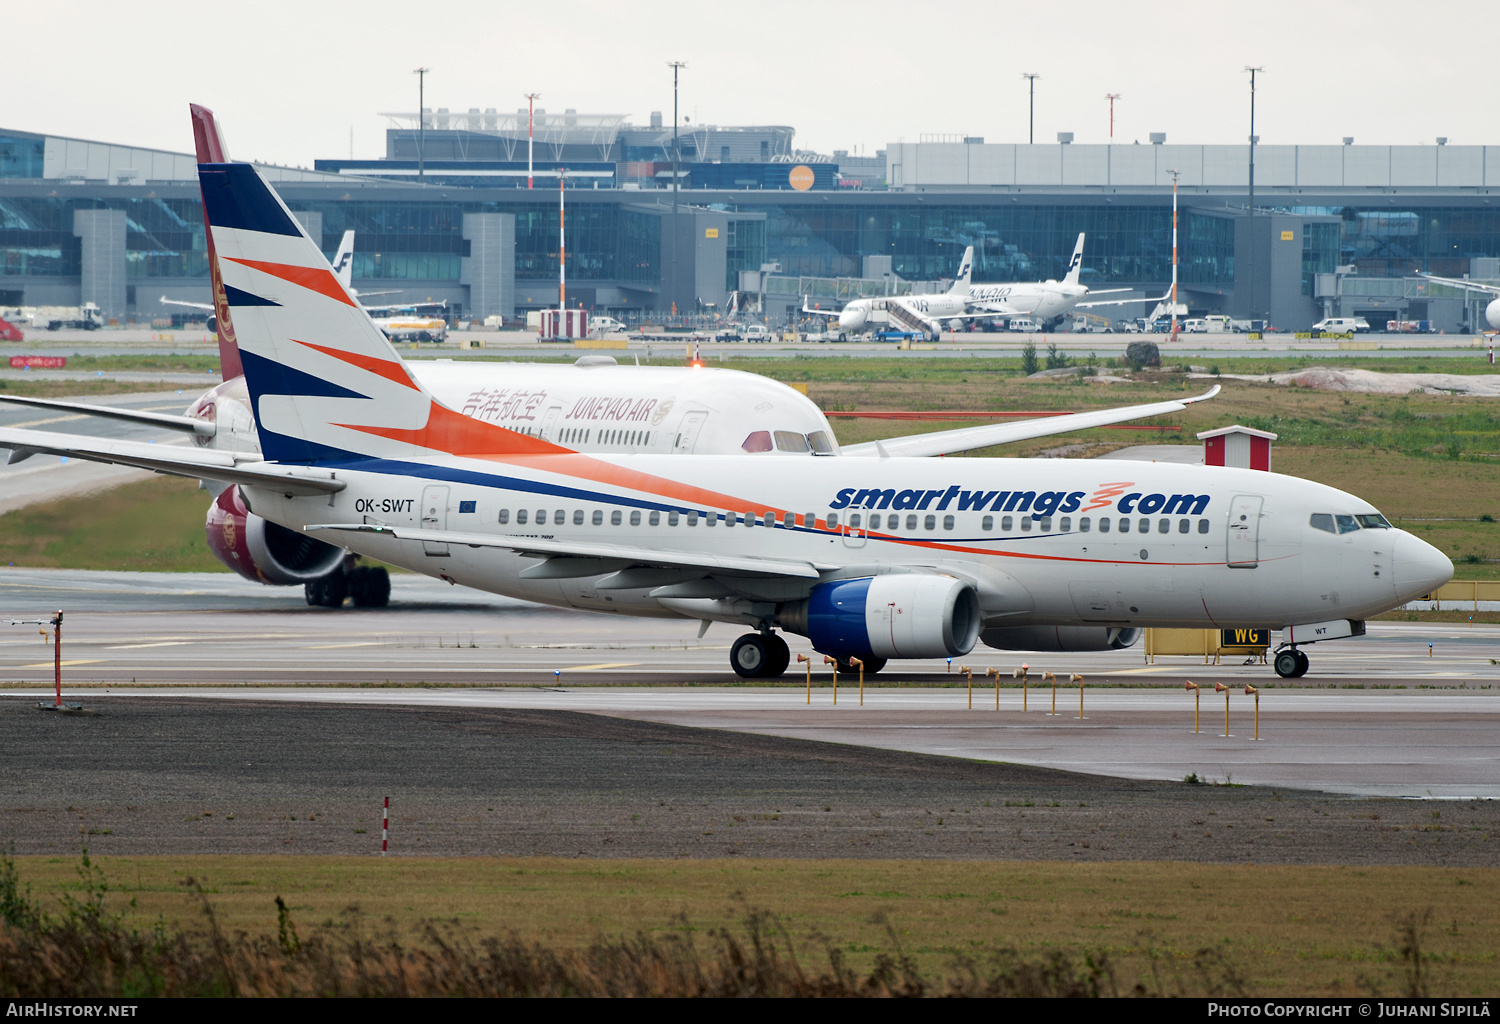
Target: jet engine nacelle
1060	638
260	550
895	616
1492	314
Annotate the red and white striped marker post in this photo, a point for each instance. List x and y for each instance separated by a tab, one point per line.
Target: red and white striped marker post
385	825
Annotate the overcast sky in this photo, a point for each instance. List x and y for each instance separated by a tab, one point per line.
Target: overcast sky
290	80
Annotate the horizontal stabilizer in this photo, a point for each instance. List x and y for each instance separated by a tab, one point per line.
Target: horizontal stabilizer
186	424
202	463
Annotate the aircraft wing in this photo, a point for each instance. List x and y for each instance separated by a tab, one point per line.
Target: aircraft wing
187	424
1464	283
415	307
619	556
818	312
946	442
1119	302
201	463
998	308
190	305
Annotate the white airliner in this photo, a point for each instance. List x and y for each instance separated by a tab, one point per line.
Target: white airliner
964	301
1045	299
1492	311
925	312
872	558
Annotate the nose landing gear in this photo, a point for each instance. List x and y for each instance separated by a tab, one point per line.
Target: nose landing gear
759	656
1291	663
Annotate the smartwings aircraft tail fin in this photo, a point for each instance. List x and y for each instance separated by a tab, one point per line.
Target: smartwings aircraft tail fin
965	270
1075	265
324	382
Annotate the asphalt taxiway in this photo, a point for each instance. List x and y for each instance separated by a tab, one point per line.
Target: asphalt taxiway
1382	715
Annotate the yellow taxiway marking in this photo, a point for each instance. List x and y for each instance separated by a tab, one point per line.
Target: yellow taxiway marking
75	661
159	643
1142	671
586	668
330	647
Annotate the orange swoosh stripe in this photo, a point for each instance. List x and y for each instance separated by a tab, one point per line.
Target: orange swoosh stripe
386	368
317	279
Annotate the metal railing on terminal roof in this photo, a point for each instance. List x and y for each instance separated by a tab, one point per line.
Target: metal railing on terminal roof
844	288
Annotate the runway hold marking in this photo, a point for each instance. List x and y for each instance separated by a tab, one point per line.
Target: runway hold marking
159	643
587	668
79	661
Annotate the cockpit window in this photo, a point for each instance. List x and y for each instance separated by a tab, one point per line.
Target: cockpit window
759	441
790	441
1374	522
1322	521
821	443
1347	524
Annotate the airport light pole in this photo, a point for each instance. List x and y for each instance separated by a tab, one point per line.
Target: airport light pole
531	98
676	66
1031	78
1174	254
1250	249
1111	96
421	74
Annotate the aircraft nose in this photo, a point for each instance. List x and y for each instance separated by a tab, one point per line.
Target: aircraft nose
1420	568
851	319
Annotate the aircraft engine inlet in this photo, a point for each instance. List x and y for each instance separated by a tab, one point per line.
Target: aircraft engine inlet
896	616
1060	638
260	550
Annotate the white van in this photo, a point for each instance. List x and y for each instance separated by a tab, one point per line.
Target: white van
603	326
1337	325
1195	326
1024	324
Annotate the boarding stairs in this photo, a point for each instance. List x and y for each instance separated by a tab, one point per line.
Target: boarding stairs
910	320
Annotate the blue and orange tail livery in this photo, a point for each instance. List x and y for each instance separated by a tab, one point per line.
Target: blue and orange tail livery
324	381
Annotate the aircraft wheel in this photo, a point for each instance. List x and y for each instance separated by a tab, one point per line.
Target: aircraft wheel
332	589
1302	663
370	587
312	592
749	656
778	656
1289	661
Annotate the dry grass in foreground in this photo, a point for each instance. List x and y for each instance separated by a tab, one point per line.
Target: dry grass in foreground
291	926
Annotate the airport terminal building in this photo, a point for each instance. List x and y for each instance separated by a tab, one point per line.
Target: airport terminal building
446	214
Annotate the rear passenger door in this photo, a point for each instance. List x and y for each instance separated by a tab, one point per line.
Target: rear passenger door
1242	549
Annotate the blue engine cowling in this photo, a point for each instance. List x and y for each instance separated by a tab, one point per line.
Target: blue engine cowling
909	615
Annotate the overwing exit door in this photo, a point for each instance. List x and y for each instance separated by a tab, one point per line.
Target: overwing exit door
434	517
1243	543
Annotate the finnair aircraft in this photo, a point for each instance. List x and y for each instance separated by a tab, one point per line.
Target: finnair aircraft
874	559
1044	299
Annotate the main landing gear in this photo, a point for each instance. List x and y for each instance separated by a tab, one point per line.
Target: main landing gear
759	656
369	587
1291	663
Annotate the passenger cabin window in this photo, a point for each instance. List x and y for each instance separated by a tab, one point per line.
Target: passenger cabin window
1083	524
656	519
788	520
1065	524
635	518
598	517
1164	526
692	518
987	523
615	517
1124	525
768	519
930	523
520	517
1006	524
1025	524
1103	525
578	517
759	441
947	522
854	521
875	521
1203	526
911	522
1184	525
671	518
1046	524
791	441
503	516
833	520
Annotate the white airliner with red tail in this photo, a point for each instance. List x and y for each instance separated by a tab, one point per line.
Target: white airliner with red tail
876	558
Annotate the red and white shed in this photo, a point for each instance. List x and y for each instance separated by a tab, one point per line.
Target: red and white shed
1237	447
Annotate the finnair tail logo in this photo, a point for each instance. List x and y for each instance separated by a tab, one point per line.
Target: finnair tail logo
1039	504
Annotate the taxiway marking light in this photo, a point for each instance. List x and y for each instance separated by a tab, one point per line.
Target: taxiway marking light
996	673
969	673
1074	677
1221	688
1053	678
1193	688
1020	674
834	662
1255	692
857	663
801	658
